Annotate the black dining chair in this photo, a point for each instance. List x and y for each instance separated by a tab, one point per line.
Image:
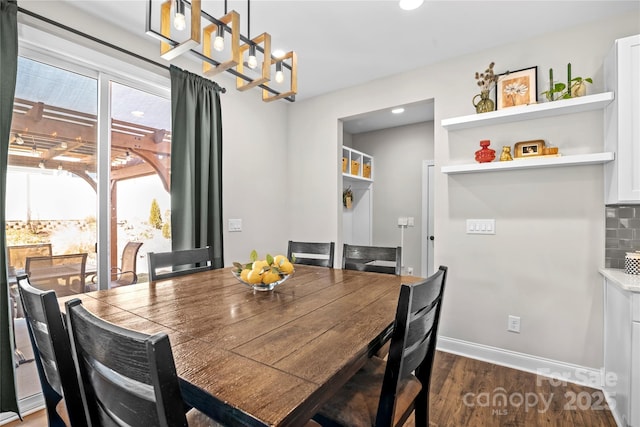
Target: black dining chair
52	353
311	253
384	394
377	259
164	265
127	378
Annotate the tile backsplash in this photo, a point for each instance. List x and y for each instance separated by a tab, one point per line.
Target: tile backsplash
622	234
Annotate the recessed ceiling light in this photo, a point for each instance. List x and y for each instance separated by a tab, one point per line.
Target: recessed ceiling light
397	110
137	113
410	4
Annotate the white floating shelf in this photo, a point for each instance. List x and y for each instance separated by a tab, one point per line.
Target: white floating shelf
533	111
531	163
348	176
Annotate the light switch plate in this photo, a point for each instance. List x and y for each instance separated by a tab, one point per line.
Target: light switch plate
481	226
235	225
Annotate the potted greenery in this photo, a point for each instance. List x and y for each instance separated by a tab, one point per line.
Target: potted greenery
575	86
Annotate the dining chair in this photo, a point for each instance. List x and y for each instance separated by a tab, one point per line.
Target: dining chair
164	265
384	394
64	274
310	253
376	259
127	378
52	354
126	274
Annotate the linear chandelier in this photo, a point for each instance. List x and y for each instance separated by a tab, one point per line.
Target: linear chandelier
219	44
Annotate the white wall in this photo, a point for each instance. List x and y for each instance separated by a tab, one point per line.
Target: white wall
398	154
543	262
255	182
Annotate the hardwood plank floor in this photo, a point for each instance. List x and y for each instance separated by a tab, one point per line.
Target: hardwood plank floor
469	392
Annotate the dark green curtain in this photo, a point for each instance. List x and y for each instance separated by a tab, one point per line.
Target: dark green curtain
8	70
196	163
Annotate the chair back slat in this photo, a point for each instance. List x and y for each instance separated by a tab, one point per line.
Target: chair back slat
413	342
377	259
164	265
128	378
312	253
52	353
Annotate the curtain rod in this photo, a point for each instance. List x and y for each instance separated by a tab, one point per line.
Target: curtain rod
94	39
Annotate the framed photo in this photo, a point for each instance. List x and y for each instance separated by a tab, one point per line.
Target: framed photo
529	148
517	88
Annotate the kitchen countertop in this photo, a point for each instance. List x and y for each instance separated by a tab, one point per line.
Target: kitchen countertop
627	282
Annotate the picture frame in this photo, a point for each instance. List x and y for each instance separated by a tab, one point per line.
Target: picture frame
531	148
517	88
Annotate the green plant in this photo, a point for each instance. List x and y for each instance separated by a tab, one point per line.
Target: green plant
560	90
155	219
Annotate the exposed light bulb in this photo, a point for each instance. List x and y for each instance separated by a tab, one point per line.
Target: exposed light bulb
279	73
59	167
127	156
410	4
179	21
63	145
18	139
41	164
253	61
218	41
34	151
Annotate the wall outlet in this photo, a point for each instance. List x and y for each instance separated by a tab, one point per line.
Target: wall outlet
481	226
402	221
411	221
410	271
513	324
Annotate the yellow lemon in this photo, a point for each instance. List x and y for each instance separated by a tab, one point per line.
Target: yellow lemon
286	267
270	277
259	264
244	273
279	259
254	276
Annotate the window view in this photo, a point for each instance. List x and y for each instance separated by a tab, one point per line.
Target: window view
140	163
52	204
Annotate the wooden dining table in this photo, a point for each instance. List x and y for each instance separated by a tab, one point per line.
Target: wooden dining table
249	357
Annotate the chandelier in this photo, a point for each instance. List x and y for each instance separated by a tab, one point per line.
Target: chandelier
186	29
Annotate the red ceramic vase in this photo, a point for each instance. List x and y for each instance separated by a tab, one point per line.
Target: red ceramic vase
485	154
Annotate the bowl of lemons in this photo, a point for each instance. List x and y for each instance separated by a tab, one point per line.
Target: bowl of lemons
263	274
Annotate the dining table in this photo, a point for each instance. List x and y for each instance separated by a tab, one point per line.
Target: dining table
260	358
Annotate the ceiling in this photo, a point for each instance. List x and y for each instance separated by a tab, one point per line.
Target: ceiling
344	43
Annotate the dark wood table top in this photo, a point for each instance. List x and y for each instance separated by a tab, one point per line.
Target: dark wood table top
273	357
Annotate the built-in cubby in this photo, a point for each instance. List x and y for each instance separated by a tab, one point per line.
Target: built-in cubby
357	176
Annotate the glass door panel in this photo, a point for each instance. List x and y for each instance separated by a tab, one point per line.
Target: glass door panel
51	191
140	179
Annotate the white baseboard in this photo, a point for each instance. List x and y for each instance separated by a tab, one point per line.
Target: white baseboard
27	406
554	369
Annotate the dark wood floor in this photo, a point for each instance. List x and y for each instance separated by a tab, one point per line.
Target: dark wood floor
468	392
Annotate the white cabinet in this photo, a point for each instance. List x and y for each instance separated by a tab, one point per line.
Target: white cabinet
528	112
622	353
357	175
622	127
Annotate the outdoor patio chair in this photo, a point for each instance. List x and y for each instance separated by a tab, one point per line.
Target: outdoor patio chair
126	274
64	274
17	255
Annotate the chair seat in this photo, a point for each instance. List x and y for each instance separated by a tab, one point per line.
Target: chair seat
356	404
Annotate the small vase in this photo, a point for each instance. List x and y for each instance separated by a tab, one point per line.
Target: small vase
485	154
485	104
578	89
